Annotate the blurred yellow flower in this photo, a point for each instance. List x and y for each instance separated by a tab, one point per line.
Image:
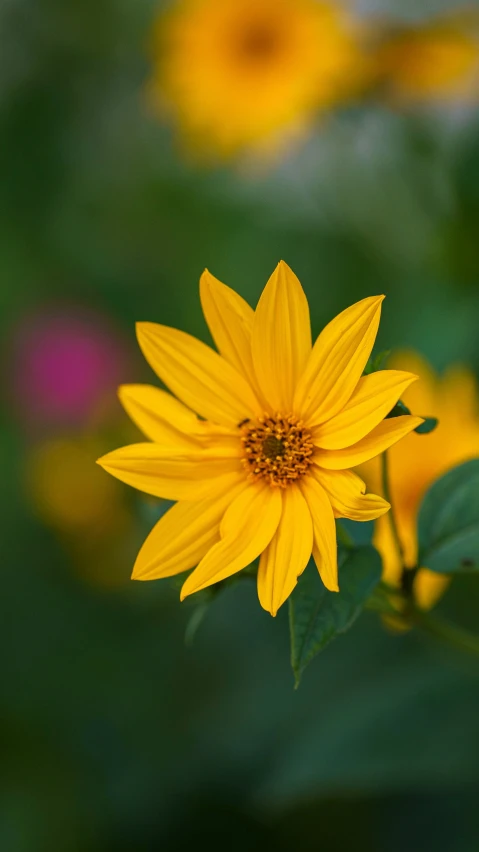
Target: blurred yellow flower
67	492
88	510
419	460
243	73
267	470
435	62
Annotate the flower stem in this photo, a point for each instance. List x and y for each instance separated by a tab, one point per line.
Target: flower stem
454	636
387	495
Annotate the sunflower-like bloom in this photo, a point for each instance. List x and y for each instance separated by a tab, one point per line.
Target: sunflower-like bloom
436	62
266	470
240	74
419	460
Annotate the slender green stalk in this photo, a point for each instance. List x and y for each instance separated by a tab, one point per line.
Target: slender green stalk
457	637
391	514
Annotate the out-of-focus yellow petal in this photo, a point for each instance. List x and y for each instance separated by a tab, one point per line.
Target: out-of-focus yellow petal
230	321
429	587
281	338
183	536
164	419
247	527
288	553
385	543
422	396
459	391
382	437
418	460
200	377
337	361
346	492
182	474
373	399
325	550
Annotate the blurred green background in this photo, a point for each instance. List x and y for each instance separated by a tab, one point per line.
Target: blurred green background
116	735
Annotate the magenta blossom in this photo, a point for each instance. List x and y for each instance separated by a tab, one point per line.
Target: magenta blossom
64	363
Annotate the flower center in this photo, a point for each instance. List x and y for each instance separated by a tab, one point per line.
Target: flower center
278	449
258	42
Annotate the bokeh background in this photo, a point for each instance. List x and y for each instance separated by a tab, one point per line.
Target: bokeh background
117	734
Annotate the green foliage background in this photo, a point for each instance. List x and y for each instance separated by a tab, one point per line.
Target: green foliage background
115	735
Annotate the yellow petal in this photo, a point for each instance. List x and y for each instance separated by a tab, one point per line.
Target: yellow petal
281	338
373	399
200	377
160	416
288	553
182	474
382	437
325	550
429	587
346	492
247	527
337	361
183	536
230	321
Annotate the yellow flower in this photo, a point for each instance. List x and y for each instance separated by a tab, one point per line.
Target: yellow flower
267	470
241	73
419	460
68	492
435	62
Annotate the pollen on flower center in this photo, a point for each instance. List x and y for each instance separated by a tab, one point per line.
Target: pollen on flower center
278	449
273	447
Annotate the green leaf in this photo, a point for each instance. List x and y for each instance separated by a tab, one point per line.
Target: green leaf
398	410
361	532
449	521
317	616
428	426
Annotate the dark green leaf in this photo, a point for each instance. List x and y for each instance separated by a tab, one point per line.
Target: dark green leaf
318	616
428	426
399	409
361	532
449	521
